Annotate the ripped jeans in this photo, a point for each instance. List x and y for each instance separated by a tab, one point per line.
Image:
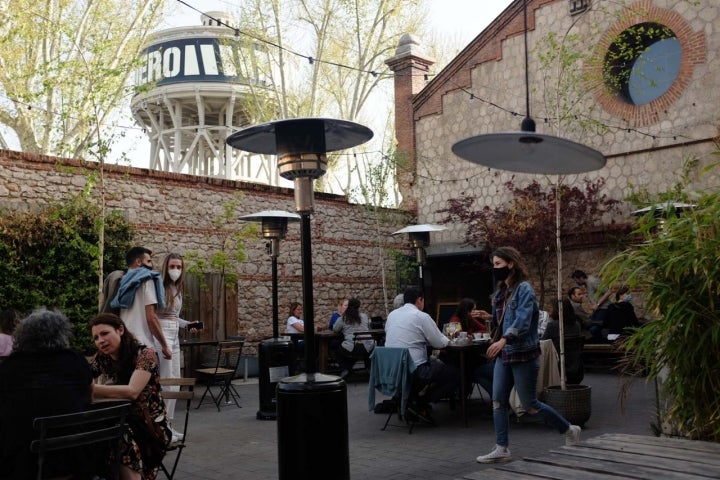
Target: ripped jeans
522	375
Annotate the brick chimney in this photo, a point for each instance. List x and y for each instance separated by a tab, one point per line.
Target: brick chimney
410	65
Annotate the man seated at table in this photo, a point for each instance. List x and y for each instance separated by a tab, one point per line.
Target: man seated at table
409	327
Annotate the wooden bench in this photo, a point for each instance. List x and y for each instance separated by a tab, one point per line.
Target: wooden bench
604	355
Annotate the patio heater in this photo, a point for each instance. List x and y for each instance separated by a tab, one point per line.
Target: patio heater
275	355
419	239
311	407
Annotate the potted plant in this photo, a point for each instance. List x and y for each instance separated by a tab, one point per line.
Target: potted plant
676	266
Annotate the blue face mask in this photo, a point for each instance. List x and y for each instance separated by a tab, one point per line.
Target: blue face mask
628	298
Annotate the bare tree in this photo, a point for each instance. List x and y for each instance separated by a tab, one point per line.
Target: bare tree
323	58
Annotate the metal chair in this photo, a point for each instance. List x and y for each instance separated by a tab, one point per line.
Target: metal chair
188	394
391	371
222	374
92	427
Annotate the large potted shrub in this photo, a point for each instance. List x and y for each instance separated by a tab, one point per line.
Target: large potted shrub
676	265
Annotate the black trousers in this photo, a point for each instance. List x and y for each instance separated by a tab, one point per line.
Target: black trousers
442	378
346	359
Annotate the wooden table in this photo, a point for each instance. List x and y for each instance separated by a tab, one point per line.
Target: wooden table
377	334
618	457
460	350
322	344
191	358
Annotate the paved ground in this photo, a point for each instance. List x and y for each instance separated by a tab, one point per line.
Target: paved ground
232	444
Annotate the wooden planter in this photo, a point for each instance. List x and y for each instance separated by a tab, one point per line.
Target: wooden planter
574	403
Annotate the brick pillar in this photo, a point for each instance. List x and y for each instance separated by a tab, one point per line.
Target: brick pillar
410	65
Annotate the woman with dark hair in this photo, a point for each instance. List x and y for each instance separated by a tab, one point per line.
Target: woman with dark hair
516	353
349	352
294	323
132	373
467	317
41	377
571	325
9	319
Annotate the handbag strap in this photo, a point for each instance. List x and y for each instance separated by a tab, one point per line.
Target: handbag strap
498	331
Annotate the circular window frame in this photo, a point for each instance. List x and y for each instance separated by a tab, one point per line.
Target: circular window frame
694	52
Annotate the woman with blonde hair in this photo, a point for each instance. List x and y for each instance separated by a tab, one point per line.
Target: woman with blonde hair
173	277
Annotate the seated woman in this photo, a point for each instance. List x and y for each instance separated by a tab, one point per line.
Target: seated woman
133	374
350	351
573	343
478	369
467	318
41	377
571	326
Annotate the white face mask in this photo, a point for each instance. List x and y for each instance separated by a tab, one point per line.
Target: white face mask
175	274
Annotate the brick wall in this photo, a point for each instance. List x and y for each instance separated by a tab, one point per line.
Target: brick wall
174	212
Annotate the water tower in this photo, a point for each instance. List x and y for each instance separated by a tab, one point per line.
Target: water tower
192	88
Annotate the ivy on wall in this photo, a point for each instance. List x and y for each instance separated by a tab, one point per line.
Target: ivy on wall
49	258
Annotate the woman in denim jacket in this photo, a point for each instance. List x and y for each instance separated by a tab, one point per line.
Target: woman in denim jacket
516	354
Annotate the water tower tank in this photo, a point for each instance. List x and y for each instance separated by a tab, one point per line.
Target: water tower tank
192	91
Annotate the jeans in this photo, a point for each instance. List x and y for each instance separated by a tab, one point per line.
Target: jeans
523	375
170	368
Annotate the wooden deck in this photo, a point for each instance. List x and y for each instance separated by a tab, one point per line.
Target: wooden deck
614	457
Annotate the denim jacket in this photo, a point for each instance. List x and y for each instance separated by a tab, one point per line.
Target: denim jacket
520	322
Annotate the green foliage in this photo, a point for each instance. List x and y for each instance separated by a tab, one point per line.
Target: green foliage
72	61
231	235
406	270
623	53
528	220
50	258
676	266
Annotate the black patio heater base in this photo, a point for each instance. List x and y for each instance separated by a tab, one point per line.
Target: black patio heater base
275	359
312	411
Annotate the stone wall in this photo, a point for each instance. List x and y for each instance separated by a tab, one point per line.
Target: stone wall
175	212
647	146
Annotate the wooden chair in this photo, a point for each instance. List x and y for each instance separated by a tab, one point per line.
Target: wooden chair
92	427
188	394
222	374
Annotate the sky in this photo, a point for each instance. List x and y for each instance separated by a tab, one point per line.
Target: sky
459	20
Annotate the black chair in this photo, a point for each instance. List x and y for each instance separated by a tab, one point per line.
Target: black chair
188	394
222	374
101	426
391	371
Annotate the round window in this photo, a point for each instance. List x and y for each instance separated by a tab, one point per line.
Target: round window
642	63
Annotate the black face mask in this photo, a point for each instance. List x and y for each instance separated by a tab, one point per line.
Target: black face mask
500	274
147	266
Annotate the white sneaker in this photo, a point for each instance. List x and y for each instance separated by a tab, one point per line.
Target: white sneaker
572	436
498	455
177	436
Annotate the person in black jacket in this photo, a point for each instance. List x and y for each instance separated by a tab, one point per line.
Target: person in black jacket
621	314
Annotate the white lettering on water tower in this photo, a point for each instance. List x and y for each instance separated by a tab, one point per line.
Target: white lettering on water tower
187	60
